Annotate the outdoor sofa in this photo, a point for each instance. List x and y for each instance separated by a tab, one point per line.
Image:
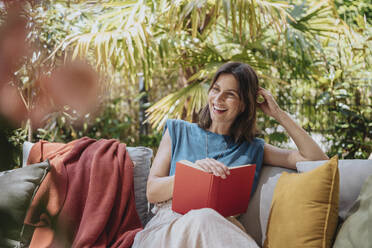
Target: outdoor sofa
354	208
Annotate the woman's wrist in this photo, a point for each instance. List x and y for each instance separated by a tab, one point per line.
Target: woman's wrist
280	116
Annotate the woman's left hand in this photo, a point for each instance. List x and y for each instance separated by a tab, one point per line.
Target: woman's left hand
269	106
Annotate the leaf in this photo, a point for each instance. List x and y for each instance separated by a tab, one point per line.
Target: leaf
338	74
172	105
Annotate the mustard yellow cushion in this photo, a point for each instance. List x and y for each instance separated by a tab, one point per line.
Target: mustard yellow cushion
304	209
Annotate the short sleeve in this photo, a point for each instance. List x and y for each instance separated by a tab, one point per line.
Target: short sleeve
169	124
175	128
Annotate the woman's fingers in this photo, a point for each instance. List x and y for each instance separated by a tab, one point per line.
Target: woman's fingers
214	166
269	106
207	165
266	94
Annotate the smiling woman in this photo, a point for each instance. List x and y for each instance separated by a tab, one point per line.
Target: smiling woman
224	137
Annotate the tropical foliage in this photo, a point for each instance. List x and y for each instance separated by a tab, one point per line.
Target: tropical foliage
315	56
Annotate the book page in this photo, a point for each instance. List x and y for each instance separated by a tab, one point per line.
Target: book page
191	164
239	166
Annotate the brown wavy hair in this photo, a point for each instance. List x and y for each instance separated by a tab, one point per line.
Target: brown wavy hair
244	126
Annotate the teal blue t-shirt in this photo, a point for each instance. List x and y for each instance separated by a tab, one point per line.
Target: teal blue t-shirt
190	142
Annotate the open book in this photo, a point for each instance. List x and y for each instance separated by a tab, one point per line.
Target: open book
195	188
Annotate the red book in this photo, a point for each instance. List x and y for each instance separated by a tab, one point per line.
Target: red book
195	188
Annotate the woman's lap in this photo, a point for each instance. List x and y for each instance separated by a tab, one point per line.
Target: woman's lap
198	228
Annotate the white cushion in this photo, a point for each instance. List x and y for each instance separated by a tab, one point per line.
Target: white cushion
26	151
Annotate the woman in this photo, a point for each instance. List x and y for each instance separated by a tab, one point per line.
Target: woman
223	137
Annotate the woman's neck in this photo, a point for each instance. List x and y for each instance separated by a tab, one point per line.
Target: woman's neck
219	129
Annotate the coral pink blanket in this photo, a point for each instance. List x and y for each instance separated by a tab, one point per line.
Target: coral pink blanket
87	199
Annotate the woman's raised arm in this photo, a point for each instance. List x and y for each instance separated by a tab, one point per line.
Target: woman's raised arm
159	184
307	148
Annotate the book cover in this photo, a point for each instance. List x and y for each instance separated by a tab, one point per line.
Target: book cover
195	188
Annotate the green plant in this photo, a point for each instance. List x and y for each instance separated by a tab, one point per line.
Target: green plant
303	52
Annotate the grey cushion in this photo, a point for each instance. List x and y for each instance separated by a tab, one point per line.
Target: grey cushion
255	218
353	172
141	157
18	188
357	229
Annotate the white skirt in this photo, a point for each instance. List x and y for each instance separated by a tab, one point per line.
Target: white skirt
198	228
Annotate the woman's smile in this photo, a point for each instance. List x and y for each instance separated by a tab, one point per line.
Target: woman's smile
219	110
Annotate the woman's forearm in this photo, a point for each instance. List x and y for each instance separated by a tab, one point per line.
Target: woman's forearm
307	147
160	189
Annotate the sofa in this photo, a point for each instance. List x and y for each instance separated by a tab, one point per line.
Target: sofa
354	179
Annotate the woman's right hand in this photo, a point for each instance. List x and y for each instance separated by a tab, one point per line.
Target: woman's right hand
213	166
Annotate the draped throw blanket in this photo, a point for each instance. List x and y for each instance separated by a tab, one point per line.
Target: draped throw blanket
87	199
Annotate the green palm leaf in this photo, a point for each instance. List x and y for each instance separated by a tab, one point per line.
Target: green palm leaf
173	105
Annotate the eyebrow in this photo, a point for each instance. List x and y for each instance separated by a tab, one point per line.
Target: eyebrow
231	90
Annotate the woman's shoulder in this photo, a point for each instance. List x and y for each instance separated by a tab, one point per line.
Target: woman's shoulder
253	147
177	124
258	140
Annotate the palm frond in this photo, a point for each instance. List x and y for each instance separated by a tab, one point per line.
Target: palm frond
173	105
112	27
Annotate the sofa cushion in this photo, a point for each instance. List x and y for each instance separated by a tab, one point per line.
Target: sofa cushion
255	218
304	209
353	172
357	228
26	148
141	158
18	188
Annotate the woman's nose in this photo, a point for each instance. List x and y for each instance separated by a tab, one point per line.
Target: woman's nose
219	97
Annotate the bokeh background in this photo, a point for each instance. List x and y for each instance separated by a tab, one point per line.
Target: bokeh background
119	69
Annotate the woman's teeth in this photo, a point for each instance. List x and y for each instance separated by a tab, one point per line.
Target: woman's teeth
219	109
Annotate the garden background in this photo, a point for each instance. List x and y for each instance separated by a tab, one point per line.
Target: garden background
155	60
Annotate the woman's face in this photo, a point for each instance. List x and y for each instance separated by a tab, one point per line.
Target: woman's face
224	100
